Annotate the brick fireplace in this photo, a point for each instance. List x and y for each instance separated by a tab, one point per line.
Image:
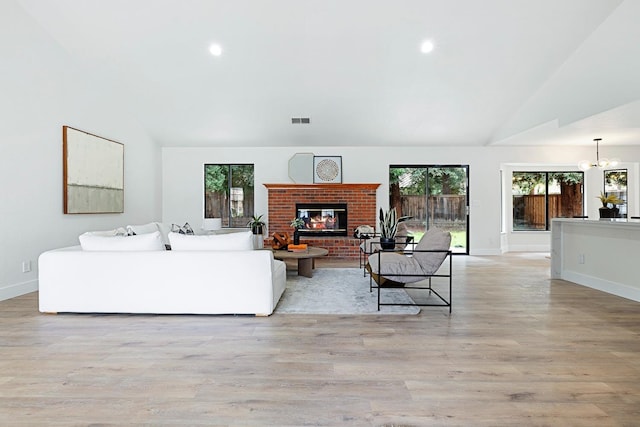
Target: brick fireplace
359	198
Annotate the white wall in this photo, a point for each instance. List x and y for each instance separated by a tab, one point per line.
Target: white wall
40	94
183	183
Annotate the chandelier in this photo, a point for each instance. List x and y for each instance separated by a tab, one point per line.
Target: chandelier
600	163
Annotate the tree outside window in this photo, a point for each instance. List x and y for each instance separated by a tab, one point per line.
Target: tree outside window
432	195
228	193
540	196
615	182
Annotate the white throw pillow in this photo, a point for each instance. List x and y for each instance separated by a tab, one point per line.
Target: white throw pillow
143	229
142	242
109	233
150	228
215	242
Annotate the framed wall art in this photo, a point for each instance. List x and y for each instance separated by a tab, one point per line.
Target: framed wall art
327	169
93	173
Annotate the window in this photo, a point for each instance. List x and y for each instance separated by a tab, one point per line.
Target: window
432	196
615	182
228	193
540	196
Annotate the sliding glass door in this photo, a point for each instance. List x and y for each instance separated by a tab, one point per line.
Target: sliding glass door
433	196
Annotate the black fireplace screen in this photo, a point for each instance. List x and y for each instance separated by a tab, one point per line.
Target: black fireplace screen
322	219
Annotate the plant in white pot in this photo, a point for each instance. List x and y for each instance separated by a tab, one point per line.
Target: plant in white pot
257	228
388	228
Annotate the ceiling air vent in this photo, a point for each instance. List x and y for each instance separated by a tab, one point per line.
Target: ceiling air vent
300	120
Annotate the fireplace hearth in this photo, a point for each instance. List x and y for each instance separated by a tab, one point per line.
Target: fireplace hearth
322	219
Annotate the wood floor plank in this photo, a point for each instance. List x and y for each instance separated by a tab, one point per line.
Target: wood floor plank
518	349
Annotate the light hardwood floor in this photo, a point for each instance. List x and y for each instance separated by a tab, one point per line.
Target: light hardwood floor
518	350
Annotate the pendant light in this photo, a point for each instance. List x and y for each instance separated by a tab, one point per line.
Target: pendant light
599	163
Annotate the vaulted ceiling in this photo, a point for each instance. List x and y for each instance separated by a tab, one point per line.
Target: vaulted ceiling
502	72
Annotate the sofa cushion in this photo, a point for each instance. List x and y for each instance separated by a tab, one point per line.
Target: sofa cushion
150	228
214	242
143	242
184	229
109	233
142	229
394	263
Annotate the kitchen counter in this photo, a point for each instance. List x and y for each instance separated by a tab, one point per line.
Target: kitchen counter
601	254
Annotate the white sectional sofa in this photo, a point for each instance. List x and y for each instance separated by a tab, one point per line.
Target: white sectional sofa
191	280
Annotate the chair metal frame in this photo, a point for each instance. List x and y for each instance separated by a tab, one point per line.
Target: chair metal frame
444	302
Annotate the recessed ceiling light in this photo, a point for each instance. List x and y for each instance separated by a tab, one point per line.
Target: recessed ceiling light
215	49
427	46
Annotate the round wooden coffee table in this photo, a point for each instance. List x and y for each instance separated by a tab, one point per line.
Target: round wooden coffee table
306	260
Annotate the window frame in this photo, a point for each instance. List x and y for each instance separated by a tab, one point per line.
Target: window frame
226	210
624	211
547	216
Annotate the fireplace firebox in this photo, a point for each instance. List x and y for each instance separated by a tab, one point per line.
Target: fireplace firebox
322	219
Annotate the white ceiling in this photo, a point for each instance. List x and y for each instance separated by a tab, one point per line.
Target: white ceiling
505	72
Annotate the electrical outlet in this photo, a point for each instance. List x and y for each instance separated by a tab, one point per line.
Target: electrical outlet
581	259
26	266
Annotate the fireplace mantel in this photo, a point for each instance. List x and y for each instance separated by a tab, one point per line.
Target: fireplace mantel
366	186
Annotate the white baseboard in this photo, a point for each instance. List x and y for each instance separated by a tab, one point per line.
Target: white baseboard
18	289
529	248
614	288
485	252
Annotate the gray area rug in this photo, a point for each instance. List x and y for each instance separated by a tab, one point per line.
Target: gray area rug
339	291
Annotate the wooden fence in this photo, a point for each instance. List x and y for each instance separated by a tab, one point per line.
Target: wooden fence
216	205
444	208
529	210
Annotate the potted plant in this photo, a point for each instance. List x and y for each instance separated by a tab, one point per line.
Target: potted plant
296	224
257	224
605	210
388	228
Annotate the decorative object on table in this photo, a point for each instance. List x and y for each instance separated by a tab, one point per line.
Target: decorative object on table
280	240
364	232
301	247
93	173
296	224
606	200
327	169
388	228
